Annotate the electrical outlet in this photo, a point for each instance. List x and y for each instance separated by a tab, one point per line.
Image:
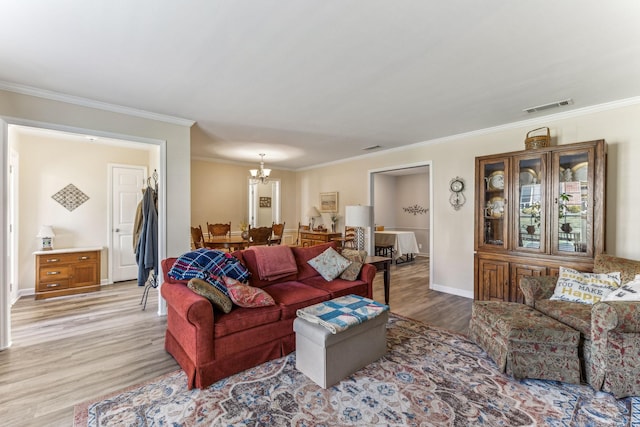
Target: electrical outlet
419	245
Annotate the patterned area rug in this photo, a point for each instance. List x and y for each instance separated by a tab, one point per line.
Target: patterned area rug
429	377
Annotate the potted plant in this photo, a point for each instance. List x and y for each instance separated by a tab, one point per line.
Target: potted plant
562	212
334	218
534	212
244	227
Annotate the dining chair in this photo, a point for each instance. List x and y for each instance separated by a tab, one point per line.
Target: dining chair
259	235
219	229
383	250
347	240
197	238
278	231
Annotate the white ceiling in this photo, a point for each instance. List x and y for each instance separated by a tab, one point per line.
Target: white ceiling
309	82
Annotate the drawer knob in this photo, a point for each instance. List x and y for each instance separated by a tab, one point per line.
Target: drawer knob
82	258
51	273
53	285
53	259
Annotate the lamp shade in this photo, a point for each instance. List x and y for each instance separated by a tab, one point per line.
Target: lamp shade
46	231
313	212
358	216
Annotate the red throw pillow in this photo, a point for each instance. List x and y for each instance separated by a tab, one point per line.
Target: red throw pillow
247	296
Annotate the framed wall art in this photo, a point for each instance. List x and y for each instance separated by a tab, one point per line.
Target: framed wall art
329	202
265	202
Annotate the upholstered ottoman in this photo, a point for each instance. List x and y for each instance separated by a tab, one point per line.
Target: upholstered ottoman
525	343
328	353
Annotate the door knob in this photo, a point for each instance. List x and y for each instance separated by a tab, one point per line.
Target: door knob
117	230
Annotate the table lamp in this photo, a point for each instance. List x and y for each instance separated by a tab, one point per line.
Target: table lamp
313	214
358	217
46	236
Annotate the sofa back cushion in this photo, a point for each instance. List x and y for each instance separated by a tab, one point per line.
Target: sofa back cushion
303	255
628	268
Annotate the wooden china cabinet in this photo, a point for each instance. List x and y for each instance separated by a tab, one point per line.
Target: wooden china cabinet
537	210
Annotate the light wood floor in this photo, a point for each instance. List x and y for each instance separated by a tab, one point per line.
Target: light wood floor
71	349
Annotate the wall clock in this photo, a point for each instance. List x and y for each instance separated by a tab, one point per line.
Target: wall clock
457	199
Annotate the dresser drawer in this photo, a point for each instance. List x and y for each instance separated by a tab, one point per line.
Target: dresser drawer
53	286
54	272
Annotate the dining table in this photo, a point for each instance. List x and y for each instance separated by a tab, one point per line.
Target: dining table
404	244
226	242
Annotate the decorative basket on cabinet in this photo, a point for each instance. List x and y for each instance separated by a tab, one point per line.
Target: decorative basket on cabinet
537	141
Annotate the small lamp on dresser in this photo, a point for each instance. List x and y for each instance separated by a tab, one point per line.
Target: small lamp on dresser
313	214
46	236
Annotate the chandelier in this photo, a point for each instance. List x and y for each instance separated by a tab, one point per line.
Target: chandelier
260	175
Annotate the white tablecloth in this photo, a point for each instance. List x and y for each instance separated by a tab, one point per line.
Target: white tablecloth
404	242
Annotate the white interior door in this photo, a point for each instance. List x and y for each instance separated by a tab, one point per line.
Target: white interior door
127	183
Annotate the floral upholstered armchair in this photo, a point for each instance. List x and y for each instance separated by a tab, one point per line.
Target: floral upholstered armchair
609	330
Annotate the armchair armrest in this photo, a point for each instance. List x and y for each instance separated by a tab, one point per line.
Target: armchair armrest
619	316
615	339
537	287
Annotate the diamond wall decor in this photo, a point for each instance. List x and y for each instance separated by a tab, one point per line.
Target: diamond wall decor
70	197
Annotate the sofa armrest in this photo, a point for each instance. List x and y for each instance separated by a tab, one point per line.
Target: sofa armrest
189	320
367	273
537	287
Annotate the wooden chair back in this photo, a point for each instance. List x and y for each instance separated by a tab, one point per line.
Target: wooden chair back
259	235
219	230
197	238
278	231
349	237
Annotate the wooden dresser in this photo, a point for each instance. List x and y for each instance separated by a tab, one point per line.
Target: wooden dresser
67	271
312	238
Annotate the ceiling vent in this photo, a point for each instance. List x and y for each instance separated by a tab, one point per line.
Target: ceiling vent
555	104
371	147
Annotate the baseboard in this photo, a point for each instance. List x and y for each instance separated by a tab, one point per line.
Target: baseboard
452	291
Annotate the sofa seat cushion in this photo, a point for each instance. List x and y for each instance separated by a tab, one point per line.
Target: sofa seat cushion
291	296
573	314
338	287
240	319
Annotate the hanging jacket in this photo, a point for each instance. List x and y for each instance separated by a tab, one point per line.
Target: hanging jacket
147	250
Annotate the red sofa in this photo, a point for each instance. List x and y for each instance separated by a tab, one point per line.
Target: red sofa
210	345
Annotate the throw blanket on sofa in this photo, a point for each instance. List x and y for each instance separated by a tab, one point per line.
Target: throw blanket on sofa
209	265
274	262
342	313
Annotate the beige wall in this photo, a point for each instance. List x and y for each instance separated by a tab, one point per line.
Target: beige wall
50	164
452	234
220	193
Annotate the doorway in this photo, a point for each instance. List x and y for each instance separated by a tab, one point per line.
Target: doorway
402	197
92	183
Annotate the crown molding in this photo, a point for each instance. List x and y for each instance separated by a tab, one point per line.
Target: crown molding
536	121
85	102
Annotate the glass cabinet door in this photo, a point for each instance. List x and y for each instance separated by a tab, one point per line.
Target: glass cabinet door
530	218
572	214
493	193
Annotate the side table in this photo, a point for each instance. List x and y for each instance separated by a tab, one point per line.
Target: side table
382	263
